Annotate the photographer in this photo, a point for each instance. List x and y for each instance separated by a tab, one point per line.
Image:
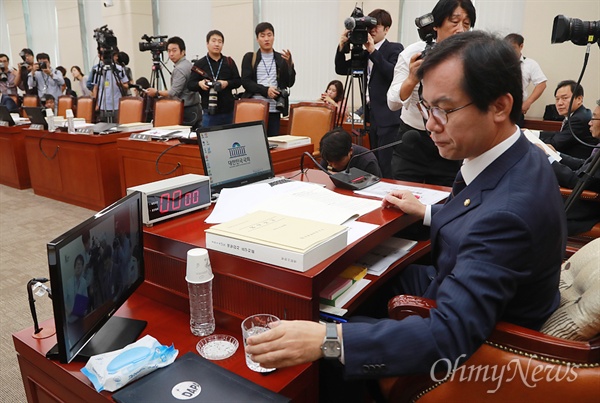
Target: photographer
46	79
220	78
417	158
380	56
23	71
110	84
267	74
7	76
179	78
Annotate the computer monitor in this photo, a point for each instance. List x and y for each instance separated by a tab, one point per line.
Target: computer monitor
36	116
235	155
94	268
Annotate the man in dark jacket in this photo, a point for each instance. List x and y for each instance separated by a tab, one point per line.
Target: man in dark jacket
577	123
380	56
268	74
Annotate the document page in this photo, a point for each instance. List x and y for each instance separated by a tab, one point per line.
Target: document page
425	195
534	137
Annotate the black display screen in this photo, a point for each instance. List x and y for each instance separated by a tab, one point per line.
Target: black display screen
178	199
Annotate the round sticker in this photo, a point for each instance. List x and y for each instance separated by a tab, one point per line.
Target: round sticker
186	390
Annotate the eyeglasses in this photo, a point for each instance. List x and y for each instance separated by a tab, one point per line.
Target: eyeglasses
595	119
439	114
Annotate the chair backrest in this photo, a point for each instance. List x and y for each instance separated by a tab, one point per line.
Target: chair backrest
30	100
65	102
168	112
131	109
311	119
85	108
16	99
251	110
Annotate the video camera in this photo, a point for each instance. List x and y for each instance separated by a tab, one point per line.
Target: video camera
573	29
107	43
359	26
425	24
154	44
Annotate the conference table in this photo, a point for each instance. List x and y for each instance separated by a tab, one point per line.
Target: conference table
80	169
241	287
148	161
14	171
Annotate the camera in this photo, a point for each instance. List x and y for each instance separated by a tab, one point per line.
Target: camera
43	65
3	75
282	100
573	29
155	44
107	43
213	95
24	58
359	26
425	24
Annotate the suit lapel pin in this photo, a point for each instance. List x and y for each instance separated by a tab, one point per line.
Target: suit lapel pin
467	202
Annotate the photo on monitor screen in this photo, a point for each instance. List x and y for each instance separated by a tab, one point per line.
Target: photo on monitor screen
94	268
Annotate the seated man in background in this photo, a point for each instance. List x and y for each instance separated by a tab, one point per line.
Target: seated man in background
583	215
48	102
10	104
337	151
577	122
497	245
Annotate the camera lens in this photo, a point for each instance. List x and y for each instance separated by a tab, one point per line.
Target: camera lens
213	97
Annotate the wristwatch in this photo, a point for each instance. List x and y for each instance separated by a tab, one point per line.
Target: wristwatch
331	347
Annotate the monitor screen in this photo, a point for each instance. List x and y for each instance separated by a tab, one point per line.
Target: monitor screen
235	155
94	268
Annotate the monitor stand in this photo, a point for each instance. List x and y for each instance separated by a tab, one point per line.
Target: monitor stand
116	333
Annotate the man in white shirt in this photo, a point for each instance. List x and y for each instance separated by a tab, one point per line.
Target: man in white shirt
532	74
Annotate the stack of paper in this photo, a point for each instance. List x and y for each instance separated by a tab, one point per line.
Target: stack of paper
291	242
289	141
134	127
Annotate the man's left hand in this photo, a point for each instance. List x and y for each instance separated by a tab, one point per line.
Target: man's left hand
287	343
287	56
152	92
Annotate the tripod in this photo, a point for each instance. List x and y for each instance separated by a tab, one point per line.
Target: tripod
104	84
356	72
157	79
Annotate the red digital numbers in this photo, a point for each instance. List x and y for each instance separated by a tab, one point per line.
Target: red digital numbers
172	202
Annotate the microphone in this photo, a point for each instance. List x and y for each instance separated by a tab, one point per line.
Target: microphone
356	179
349	23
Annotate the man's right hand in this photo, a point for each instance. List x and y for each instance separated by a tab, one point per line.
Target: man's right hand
273	92
343	39
405	201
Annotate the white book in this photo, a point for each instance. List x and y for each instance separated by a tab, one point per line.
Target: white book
134	127
287	141
289	242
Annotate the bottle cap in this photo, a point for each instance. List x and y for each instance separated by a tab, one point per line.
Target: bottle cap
198	269
69	113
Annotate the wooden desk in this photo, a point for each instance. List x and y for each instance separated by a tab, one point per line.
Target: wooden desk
80	169
49	381
539	124
13	159
137	160
243	287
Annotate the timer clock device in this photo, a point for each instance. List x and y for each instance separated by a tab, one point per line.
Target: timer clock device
173	197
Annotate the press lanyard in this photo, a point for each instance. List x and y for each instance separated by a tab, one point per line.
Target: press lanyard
215	77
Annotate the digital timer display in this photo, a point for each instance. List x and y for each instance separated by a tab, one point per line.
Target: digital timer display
174	201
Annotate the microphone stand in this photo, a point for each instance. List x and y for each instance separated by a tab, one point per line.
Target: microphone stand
38	333
356	179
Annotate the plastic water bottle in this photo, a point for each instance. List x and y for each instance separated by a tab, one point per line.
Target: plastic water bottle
199	277
202	319
50	120
70	121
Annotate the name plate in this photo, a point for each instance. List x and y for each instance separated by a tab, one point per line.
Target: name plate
37	127
140	137
4	123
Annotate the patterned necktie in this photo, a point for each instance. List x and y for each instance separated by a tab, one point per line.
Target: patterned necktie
564	122
458	185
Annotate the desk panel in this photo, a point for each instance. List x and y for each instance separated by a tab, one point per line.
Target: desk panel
138	160
14	170
539	124
74	168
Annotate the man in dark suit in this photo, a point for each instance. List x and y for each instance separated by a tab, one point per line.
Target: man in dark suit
379	56
10	104
497	246
583	215
578	121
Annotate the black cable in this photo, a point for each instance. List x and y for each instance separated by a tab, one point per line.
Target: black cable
42	150
160	156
